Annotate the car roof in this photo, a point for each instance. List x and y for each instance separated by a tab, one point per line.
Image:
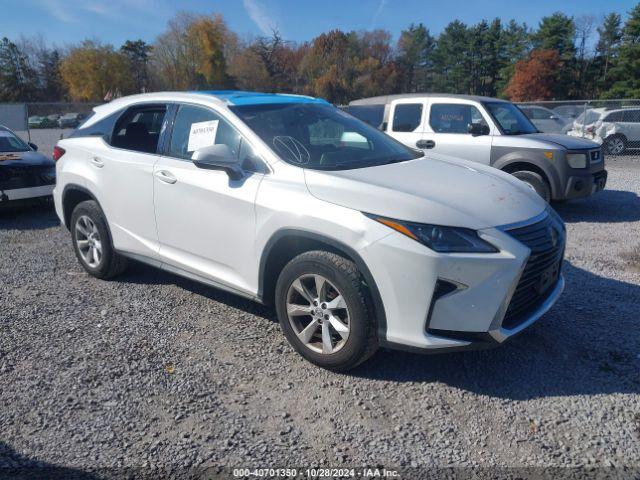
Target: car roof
220	97
384	99
239	97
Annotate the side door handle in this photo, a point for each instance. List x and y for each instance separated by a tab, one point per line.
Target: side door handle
165	176
425	144
96	162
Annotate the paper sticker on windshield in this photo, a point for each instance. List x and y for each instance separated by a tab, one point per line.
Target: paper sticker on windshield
202	134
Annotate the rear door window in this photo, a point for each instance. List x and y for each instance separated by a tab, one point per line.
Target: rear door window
631	116
407	117
139	129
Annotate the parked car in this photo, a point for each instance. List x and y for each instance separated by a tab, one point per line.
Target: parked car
51	121
496	133
70	120
24	173
358	240
616	129
36	121
570	111
546	120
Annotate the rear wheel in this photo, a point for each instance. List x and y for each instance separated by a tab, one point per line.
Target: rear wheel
324	310
535	181
92	242
615	145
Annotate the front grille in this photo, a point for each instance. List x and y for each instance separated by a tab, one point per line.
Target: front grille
26	176
546	240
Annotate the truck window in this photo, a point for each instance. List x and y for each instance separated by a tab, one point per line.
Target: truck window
454	118
407	117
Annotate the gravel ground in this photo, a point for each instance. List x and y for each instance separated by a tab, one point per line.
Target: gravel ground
151	370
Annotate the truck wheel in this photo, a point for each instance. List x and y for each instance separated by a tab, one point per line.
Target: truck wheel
615	145
324	310
535	181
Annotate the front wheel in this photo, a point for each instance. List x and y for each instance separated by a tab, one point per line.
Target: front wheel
536	182
324	310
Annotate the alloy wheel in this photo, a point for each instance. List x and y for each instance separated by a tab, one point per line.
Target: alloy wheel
88	241
615	146
318	314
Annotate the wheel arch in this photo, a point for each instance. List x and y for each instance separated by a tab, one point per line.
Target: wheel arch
286	244
72	195
520	164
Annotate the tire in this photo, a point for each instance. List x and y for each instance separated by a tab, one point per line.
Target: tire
88	224
296	286
615	145
535	181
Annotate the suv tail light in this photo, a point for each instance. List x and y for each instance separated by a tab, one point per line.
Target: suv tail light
590	130
58	152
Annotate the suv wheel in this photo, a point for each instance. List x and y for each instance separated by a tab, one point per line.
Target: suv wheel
92	242
324	310
535	181
615	145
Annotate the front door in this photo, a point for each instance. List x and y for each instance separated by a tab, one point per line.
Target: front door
447	129
206	221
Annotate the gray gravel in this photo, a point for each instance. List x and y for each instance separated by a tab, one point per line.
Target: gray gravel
151	370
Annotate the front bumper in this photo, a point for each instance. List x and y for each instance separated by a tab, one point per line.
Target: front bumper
473	315
579	186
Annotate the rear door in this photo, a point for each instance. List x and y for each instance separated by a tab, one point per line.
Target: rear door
447	127
631	122
406	121
122	173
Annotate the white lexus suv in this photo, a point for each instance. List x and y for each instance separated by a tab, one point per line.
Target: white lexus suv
358	240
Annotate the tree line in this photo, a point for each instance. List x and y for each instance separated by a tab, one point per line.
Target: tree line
563	58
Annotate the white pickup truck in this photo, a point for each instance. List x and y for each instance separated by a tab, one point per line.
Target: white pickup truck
493	132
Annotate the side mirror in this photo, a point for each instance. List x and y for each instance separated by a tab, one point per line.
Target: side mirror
33	146
218	157
383	127
477	129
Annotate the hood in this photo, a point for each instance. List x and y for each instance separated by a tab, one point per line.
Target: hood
427	190
570	143
29	158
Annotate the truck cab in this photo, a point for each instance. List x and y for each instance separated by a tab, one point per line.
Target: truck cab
493	132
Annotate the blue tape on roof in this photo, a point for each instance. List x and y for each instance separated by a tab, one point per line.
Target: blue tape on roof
238	97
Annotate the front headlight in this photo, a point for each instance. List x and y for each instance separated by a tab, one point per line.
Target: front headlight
439	238
577	160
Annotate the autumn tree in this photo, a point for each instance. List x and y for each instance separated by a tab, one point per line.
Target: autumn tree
92	69
192	53
535	78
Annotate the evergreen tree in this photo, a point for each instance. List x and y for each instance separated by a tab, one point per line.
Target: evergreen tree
137	53
609	37
415	59
17	78
627	69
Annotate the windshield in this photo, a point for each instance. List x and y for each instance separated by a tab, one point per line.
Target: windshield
510	118
11	143
592	117
322	137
